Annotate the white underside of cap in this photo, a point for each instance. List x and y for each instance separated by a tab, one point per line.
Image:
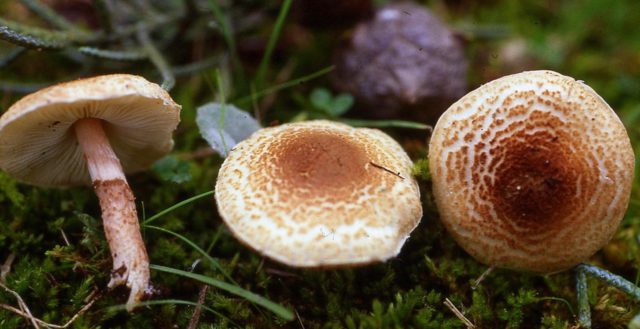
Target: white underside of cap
40	147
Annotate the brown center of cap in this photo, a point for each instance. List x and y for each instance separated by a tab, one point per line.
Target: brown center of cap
536	181
319	160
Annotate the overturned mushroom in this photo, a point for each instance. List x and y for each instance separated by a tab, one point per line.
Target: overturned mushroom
92	131
531	171
319	193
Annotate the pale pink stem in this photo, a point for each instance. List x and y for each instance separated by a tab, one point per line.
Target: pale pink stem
119	217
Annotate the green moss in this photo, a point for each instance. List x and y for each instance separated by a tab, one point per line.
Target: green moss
516	307
9	190
420	170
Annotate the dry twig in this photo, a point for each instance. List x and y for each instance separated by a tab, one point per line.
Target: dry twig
299	319
459	314
484	274
35	322
23	306
193	323
386	169
6	266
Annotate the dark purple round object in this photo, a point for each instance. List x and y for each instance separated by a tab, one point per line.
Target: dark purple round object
404	61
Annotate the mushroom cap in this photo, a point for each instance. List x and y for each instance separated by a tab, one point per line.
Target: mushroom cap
531	171
310	194
38	143
404	58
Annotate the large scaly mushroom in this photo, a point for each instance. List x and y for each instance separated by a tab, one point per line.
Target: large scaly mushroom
319	193
531	171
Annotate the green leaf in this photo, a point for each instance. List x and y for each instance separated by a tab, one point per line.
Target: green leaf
321	99
172	169
284	85
341	104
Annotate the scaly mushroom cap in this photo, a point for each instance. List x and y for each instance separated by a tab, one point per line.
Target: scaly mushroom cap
38	144
531	171
314	194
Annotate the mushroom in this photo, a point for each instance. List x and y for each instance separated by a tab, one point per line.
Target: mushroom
92	131
531	171
319	193
404	60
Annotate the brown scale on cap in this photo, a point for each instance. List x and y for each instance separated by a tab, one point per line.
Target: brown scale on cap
307	194
532	171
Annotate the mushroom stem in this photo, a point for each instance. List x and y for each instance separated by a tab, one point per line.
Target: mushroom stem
119	217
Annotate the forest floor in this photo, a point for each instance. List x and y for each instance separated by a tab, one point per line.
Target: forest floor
52	248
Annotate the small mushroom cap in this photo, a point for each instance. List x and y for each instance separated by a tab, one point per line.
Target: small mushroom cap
310	194
531	171
38	144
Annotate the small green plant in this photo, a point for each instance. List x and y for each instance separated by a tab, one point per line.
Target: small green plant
332	106
172	169
325	105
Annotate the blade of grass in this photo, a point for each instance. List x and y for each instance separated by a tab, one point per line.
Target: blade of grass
196	67
271	44
40	38
227	34
116	55
223	110
252	98
104	15
277	309
612	279
176	206
122	307
224	26
157	59
254	104
216	237
558	299
385	124
214	262
48	14
11	55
